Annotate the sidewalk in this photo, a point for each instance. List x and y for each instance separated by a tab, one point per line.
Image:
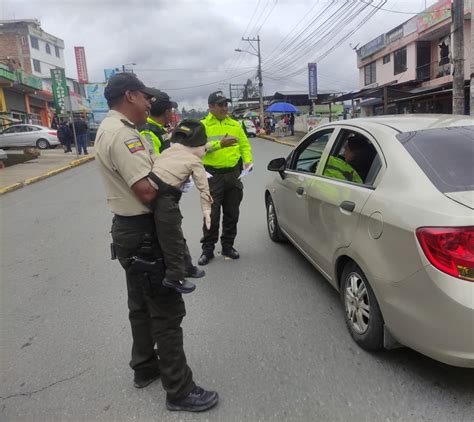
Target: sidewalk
49	163
291	141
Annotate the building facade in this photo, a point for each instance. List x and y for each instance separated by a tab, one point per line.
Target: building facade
409	68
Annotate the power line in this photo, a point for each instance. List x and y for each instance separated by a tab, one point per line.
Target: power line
403	12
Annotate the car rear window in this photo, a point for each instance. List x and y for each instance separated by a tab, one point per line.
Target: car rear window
446	156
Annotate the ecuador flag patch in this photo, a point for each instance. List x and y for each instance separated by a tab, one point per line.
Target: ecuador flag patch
135	145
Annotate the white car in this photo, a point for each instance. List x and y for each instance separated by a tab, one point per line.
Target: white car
25	135
250	128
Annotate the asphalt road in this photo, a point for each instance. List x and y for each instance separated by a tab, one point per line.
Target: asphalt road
266	331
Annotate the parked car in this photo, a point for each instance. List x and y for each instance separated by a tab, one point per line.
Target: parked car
392	230
25	135
249	127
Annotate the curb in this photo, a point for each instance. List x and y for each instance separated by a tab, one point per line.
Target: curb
278	141
50	173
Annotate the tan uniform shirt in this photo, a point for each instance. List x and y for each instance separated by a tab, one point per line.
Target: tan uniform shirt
123	159
174	166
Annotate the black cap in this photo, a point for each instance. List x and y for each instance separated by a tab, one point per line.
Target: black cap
218	97
122	82
190	132
163	98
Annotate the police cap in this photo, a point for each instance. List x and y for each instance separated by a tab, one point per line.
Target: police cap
190	132
122	82
218	97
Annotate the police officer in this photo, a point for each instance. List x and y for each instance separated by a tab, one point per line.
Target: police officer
155	312
225	165
161	114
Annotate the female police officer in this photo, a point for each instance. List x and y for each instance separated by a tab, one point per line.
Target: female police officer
155	312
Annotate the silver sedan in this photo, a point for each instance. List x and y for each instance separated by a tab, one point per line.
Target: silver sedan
25	135
383	208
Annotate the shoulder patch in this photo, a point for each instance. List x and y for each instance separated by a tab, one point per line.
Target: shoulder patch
134	145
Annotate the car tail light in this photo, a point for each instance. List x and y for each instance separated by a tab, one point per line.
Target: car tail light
54	133
449	249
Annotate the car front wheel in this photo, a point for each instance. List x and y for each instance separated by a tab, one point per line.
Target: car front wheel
274	230
42	144
362	312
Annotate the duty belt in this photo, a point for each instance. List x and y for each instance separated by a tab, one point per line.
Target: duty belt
216	170
164	188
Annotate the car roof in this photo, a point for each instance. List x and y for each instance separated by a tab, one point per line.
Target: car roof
412	122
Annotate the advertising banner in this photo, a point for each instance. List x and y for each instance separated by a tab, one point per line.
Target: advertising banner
81	65
312	80
60	90
433	15
109	73
95	97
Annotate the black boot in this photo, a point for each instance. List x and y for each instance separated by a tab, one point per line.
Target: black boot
198	400
230	252
181	286
195	272
205	258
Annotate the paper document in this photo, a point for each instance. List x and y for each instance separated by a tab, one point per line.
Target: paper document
246	171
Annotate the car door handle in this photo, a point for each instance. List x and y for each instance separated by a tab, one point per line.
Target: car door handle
347	205
300	190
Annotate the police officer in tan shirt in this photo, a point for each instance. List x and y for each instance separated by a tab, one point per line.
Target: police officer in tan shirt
155	312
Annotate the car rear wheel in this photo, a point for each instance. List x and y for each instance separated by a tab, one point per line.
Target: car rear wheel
362	312
274	230
42	144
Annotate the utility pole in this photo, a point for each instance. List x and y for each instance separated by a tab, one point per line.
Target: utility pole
259	72
472	59
458	56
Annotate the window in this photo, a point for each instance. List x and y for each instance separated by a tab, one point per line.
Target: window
369	74
307	157
56	49
37	65
48	48
444	155
16	129
386	59
353	159
444	44
34	42
399	61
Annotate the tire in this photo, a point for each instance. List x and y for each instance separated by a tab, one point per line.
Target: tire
361	309
42	144
274	230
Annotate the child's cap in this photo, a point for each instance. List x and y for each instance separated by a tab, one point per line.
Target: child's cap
190	132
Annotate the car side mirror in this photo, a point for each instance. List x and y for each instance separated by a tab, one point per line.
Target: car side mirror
277	164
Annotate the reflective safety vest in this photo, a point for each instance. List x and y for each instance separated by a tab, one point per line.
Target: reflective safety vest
339	169
154	133
228	157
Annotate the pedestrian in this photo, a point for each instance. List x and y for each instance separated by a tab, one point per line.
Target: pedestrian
155	312
225	165
65	136
171	170
161	116
80	127
291	124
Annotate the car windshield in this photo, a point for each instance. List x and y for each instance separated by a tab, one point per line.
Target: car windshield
445	155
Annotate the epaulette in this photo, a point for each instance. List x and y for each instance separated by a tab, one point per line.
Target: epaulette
128	124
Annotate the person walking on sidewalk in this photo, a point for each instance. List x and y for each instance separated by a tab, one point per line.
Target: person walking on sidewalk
291	124
81	128
65	136
225	165
161	114
155	312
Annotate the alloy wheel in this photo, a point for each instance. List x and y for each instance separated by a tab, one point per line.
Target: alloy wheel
271	218
356	301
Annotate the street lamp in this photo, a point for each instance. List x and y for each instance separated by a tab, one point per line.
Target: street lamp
259	73
128	64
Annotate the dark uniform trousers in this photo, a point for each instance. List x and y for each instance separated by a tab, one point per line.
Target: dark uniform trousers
155	312
227	193
168	220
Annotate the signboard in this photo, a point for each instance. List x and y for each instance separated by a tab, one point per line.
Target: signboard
312	80
394	35
372	46
81	65
433	15
95	97
109	73
60	90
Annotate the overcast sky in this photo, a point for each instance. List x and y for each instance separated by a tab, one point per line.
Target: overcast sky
186	47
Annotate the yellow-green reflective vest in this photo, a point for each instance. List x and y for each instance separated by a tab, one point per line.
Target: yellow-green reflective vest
225	157
339	169
153	132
